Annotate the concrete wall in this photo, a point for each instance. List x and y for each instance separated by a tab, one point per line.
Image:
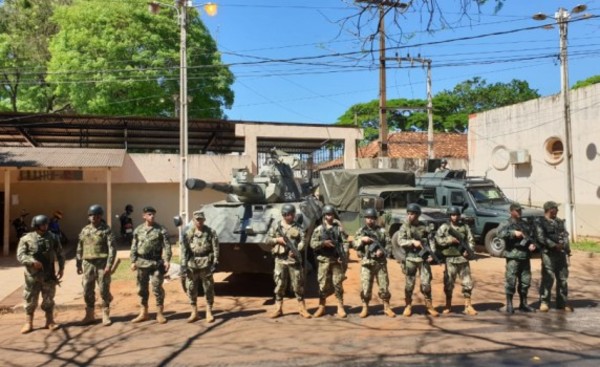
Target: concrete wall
532	126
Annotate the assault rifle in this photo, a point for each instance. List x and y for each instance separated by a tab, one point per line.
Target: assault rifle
330	234
526	240
426	249
463	246
374	245
47	266
289	245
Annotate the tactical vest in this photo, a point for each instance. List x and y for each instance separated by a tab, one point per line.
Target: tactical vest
200	244
453	249
42	248
95	241
416	232
332	233
149	242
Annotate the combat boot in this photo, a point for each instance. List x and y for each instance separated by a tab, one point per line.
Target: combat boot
302	310
430	309
568	308
544	307
28	325
160	317
143	316
106	321
408	308
448	307
509	304
321	309
365	310
278	311
469	310
89	316
523	306
340	309
50	323
387	310
193	315
209	316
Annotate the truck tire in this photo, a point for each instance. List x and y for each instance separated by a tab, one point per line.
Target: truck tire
494	245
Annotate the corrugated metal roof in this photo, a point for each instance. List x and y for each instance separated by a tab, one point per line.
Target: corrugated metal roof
61	157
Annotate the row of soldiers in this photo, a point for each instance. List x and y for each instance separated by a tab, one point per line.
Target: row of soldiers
150	255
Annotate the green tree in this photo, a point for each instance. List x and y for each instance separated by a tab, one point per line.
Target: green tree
116	58
587	82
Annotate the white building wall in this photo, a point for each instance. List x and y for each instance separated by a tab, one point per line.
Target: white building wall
529	126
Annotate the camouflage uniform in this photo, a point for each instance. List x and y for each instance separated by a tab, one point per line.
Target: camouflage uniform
96	252
199	253
373	267
456	263
287	267
150	250
48	247
413	263
554	260
332	269
518	265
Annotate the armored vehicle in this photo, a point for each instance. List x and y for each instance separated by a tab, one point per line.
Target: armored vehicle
252	205
484	204
388	191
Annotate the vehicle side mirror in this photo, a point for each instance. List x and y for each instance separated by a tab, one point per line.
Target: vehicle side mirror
177	221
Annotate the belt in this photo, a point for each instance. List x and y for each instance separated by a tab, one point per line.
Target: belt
148	257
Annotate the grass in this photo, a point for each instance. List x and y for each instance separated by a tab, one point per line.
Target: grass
124	271
586	245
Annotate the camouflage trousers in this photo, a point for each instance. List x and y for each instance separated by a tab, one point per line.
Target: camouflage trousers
463	271
31	294
370	271
411	277
331	277
93	273
517	271
193	279
156	277
284	273
554	266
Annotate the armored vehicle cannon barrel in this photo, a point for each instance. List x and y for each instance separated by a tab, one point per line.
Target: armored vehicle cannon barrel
246	192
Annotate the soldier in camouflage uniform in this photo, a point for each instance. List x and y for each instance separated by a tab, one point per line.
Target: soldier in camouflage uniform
150	257
38	251
288	262
410	237
95	255
516	233
328	240
199	259
457	262
554	241
373	262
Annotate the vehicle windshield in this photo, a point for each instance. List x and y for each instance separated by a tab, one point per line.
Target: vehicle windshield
487	194
399	199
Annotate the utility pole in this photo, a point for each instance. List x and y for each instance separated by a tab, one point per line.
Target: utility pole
383	128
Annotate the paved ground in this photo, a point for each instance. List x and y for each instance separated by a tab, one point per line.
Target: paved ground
243	335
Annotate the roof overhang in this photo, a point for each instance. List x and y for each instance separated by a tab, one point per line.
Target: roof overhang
61	157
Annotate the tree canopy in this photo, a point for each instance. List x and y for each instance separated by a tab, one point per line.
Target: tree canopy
587	82
116	58
451	108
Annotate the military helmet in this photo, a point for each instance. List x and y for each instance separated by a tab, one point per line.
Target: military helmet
370	213
454	210
95	210
329	209
413	208
288	209
550	205
39	220
129	208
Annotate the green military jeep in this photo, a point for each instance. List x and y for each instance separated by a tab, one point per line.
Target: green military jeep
484	205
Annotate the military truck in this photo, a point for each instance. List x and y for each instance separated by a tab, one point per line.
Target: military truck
484	204
252	205
389	191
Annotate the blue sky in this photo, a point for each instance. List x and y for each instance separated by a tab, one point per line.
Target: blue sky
322	78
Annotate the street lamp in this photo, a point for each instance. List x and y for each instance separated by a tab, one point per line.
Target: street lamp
181	10
562	18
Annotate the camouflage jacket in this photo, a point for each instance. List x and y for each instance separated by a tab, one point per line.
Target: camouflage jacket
337	232
150	245
376	233
96	243
506	231
450	249
199	249
550	233
293	232
409	232
45	248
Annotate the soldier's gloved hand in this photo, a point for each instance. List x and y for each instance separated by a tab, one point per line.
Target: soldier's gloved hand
183	271
328	243
79	267
167	266
133	267
37	265
518	234
60	274
366	239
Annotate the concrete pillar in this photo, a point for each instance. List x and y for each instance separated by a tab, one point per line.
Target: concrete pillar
6	237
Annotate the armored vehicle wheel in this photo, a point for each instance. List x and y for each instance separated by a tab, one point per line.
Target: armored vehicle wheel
494	245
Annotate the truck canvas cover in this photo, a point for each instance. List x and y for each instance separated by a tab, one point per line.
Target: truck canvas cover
340	187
